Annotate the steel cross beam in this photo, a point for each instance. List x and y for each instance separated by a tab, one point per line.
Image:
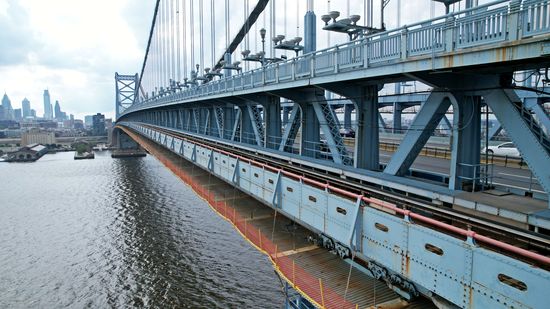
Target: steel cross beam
126	92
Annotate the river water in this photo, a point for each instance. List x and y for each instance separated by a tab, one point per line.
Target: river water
120	233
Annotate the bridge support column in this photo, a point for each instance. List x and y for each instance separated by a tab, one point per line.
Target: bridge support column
286	112
247	132
367	135
466	141
317	115
397	111
212	121
124	141
348	108
310	139
365	99
228	121
203	121
271	119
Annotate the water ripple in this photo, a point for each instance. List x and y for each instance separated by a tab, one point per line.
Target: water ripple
120	233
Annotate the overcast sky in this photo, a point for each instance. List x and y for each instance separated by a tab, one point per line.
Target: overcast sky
71	47
74	47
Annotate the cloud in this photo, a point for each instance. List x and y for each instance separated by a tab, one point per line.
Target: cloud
71	47
17	37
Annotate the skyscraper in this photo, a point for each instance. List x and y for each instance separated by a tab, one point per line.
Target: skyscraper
6	106
26	106
17	114
98	127
57	109
48	113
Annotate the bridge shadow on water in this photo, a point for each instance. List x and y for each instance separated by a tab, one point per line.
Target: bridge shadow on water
173	252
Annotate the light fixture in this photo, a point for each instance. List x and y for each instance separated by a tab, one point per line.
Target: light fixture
326	19
245	53
354	18
262	33
334	15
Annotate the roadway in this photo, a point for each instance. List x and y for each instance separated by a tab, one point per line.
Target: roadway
505	176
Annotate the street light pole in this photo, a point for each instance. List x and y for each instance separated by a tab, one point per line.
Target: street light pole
262	34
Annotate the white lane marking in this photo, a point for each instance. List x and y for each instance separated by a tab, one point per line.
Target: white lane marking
506	174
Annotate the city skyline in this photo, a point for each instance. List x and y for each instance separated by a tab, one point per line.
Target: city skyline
26	107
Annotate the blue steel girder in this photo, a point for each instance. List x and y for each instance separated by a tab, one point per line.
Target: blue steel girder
318	115
365	98
235	133
534	148
196	119
257	123
542	116
271	118
291	129
206	117
417	135
218	111
382	124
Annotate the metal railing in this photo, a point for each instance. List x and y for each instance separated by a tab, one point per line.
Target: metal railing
482	176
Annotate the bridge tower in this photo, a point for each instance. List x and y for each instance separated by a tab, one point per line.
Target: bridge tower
126	92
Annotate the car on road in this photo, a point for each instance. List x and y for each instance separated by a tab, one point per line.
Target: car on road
347	133
504	149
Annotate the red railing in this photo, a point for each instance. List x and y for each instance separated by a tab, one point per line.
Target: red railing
313	288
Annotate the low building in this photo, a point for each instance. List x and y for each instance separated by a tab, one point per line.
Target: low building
28	153
37	137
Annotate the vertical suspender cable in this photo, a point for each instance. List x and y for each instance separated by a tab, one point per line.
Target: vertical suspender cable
201	36
284	17
273	31
243	44
298	17
164	44
184	24
178	40
212	33
398	13
173	15
168	43
167	36
150	46
192	31
161	45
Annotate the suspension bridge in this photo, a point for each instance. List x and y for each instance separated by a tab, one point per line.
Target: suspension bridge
286	140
